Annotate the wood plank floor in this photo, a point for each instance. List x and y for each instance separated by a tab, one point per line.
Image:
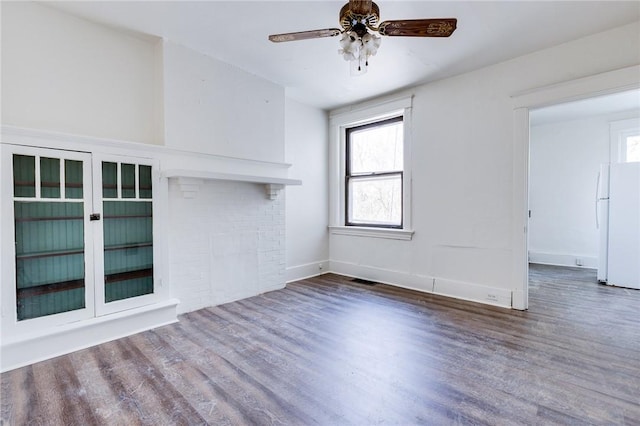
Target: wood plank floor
328	351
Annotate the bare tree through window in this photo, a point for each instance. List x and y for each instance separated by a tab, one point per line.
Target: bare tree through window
374	173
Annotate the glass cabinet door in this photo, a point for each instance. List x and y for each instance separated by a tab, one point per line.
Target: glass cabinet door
50	204
127	207
83	227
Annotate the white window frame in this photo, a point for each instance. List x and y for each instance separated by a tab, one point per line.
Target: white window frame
619	132
339	121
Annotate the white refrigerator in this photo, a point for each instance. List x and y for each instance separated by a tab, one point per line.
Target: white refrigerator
618	220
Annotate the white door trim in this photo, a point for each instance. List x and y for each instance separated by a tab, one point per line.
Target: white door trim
615	81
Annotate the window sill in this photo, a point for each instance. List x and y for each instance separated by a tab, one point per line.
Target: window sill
361	231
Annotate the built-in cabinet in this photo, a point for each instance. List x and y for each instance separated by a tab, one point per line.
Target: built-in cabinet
85	232
82	229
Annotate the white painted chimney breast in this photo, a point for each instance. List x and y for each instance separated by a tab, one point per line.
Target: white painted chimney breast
226	243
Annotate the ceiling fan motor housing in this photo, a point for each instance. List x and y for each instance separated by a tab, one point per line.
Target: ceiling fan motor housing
360	17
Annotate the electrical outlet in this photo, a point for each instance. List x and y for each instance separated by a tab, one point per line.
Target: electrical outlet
492	297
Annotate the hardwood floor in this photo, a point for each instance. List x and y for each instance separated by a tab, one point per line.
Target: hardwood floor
329	351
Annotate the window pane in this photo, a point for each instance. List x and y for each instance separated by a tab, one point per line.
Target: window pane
375	200
49	258
72	179
128	254
376	149
49	177
109	180
128	180
145	181
633	148
24	176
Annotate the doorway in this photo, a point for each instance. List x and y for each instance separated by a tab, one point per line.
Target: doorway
568	145
589	87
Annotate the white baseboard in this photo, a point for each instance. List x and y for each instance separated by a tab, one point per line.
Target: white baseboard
69	338
574	260
456	289
386	276
307	270
473	292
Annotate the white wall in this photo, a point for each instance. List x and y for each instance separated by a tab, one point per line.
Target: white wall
63	73
307	210
66	74
564	161
216	108
463	129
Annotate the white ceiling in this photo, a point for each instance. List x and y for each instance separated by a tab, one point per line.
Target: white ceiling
312	71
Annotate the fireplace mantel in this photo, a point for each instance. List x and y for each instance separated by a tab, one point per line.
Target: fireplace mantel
175	160
191	180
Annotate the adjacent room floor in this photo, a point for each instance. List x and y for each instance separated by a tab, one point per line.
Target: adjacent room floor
329	351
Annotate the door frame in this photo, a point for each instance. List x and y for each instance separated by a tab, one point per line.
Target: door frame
606	83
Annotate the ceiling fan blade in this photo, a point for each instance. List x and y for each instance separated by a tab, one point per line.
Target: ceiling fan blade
305	35
442	27
360	7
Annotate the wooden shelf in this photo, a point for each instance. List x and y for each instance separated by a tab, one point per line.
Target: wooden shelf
129	275
40	219
128	246
132	216
52	253
39	290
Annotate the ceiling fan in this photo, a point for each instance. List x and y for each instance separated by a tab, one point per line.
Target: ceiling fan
360	22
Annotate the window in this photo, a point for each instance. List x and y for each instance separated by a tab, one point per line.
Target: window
633	148
370	170
374	173
625	141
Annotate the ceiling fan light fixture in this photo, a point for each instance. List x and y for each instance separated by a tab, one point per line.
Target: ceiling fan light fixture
349	46
357	50
370	44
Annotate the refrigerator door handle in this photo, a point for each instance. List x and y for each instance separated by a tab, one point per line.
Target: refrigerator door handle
597	200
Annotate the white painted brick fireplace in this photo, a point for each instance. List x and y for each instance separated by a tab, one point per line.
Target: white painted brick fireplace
226	241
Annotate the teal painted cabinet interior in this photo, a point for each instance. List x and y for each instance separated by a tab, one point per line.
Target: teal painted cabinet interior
128	231
49	198
50	274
